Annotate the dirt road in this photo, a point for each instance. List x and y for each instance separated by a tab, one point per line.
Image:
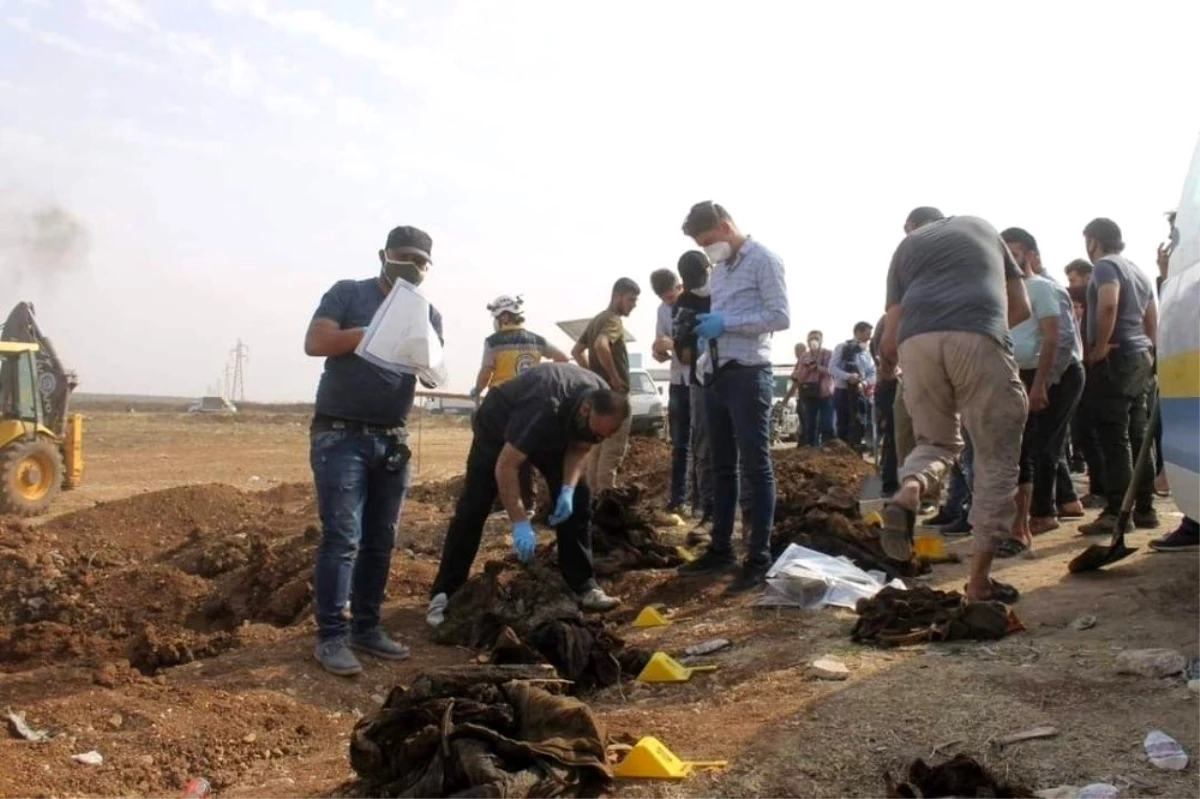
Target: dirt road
168	632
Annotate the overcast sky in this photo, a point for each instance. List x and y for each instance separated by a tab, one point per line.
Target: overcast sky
176	175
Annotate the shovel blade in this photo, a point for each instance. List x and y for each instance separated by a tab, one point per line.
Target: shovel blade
1097	556
871	488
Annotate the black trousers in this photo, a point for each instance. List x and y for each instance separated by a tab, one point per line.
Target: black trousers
1115	401
885	405
849	417
475	505
1043	444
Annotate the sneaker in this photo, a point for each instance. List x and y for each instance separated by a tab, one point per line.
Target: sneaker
1181	540
752	576
1145	519
376	642
1105	524
958	528
926	508
594	600
1092	501
942	517
709	563
435	616
336	658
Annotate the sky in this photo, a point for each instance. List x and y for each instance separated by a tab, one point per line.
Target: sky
177	175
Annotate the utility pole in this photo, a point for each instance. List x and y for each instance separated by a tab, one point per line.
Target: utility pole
228	381
241	356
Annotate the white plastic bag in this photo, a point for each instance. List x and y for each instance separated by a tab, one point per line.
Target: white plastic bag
401	337
805	578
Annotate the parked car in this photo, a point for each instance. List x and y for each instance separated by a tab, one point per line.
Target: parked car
212	405
645	399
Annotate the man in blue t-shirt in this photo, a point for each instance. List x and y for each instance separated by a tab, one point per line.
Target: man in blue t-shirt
360	458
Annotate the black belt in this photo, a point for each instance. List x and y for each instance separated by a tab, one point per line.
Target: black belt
323	423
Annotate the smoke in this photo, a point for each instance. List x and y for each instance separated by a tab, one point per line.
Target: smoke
40	242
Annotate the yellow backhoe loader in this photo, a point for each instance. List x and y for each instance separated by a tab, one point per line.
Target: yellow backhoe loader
41	444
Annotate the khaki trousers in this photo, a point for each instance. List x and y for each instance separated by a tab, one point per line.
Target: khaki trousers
953	374
905	442
606	457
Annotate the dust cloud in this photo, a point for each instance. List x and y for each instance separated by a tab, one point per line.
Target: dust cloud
40	241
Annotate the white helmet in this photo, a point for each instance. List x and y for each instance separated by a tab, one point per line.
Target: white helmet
507	304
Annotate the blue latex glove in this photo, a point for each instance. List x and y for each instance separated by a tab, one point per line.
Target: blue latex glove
710	325
524	541
564	507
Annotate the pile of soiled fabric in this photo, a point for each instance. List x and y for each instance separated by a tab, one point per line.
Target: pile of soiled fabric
623	538
526	614
479	731
961	776
899	617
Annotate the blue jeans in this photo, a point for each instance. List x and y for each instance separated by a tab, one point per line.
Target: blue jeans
958	497
818	420
359	500
739	434
679	412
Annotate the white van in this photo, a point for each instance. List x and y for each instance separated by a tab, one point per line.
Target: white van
1179	350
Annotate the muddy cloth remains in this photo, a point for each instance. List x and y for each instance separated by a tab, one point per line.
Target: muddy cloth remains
623	537
585	652
477	731
962	776
898	617
527	615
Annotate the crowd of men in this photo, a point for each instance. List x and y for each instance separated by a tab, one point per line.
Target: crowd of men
982	370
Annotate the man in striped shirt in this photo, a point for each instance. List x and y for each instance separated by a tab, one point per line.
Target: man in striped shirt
749	304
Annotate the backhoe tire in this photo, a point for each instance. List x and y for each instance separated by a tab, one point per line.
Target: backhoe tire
31	475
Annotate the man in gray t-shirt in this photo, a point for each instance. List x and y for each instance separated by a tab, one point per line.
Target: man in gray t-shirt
1122	322
950	276
953	291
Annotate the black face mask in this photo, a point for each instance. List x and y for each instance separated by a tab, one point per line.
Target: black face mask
402	270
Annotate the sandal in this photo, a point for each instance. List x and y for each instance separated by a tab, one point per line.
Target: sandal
1011	547
1001	592
896	534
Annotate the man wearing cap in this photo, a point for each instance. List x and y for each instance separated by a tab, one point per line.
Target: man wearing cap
953	293
360	458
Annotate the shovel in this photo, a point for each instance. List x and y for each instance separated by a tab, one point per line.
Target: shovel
1097	556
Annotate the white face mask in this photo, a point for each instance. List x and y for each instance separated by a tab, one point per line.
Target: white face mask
719	251
703	291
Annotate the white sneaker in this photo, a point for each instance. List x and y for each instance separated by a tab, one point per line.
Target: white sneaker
596	601
436	614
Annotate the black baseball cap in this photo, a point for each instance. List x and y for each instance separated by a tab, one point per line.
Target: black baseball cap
411	240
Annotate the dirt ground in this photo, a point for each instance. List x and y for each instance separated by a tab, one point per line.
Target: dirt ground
162	618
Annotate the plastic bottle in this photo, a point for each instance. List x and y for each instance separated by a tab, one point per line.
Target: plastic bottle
197	788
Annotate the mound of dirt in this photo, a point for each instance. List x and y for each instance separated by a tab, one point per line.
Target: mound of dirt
170	576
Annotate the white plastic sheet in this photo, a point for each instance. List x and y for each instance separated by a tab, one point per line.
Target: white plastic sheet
805	578
401	338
